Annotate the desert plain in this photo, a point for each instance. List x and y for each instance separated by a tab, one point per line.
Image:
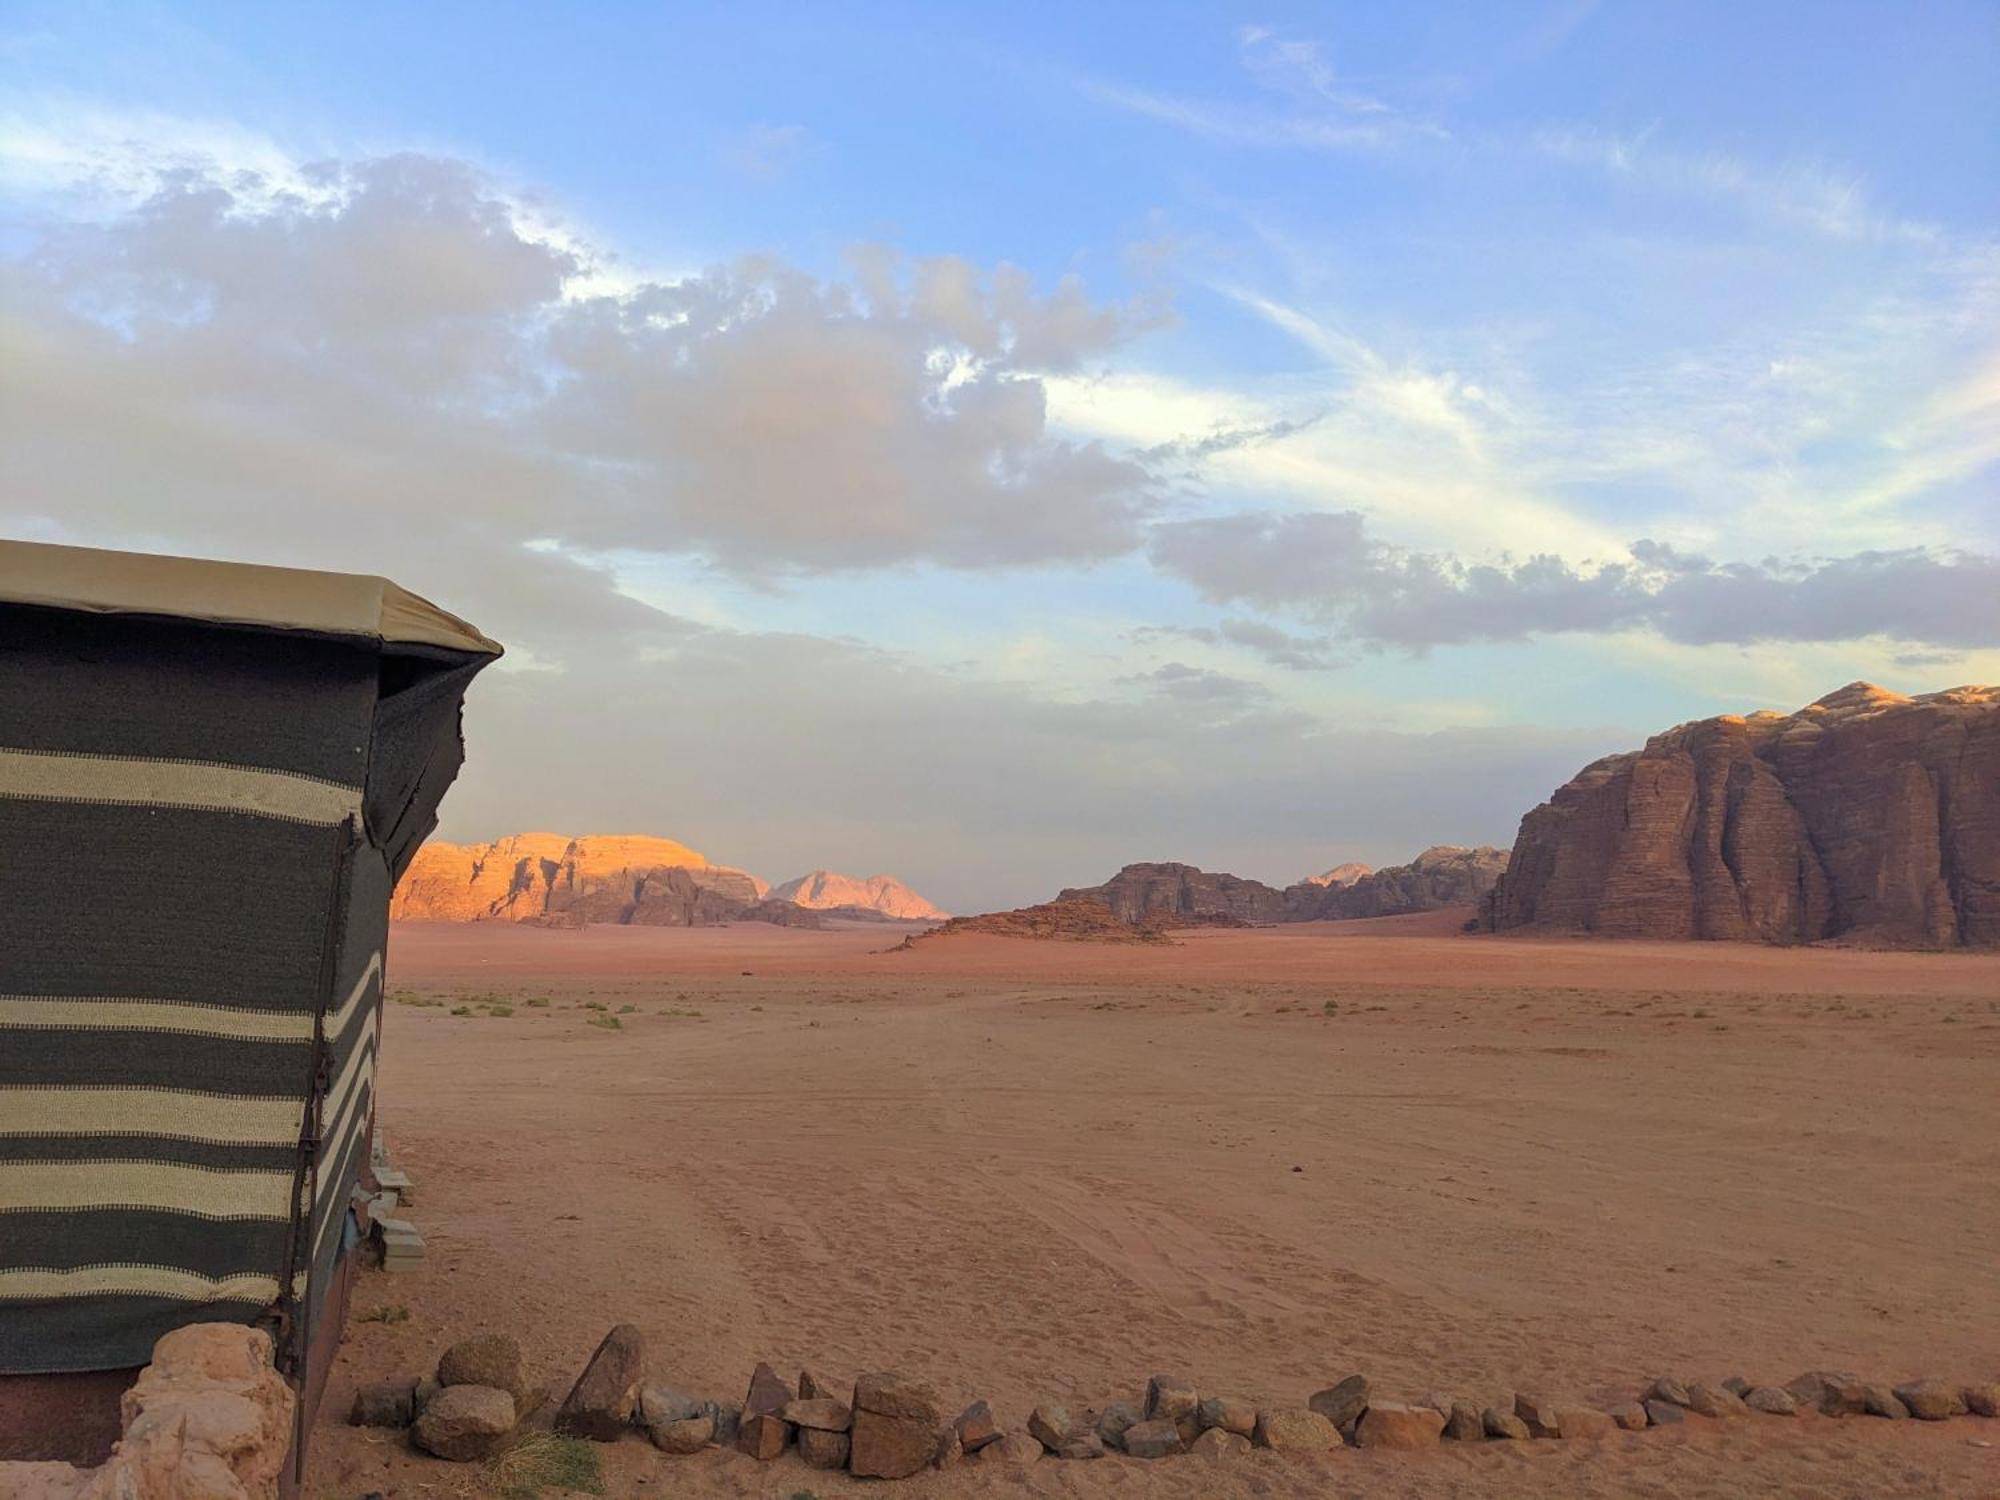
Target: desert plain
1262	1158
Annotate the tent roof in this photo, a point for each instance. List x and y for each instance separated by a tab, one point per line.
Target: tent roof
223	593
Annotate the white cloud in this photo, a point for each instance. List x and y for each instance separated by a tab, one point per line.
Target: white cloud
1827	202
401	355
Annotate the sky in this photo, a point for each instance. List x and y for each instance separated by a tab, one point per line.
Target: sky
992	444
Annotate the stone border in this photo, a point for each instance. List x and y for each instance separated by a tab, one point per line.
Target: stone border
890	1426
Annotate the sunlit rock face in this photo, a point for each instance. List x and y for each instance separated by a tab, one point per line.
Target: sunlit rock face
551	877
1340	875
1868	817
824	890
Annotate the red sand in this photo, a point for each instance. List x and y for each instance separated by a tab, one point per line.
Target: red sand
1029	1170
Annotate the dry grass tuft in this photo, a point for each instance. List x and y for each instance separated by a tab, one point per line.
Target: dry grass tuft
539	1461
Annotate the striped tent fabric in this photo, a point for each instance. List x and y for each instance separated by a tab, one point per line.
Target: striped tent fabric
201	821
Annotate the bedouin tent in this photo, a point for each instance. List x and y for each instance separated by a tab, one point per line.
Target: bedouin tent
211	776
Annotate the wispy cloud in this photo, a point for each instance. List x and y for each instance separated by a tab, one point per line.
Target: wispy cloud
1315	110
1826	201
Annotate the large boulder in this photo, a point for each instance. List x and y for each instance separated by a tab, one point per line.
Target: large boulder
1574	1421
1771	1400
1715	1401
822	1448
676	1423
600	1405
821	1413
1049	1424
1157	1437
1112	1423
976	1428
1831	1393
1219	1444
1296	1429
1503	1426
896	1428
1538	1414
1669	1390
485	1359
761	1429
465	1422
1171	1398
1230	1413
1391	1424
1931	1400
1462	1423
1880	1401
1342	1402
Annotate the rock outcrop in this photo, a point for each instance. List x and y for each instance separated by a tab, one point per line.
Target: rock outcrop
1176	895
1182	894
1443	875
883	895
1052	921
557	880
1867	817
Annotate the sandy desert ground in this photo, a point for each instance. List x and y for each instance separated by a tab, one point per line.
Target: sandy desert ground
1263	1158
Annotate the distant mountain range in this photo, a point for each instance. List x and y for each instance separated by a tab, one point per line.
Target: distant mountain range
1446	875
555	880
1866	817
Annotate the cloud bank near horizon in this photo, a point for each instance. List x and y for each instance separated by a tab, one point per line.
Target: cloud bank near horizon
230	357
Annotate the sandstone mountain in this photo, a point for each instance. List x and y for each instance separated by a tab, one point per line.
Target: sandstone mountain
553	879
1444	875
1867	816
882	895
1177	894
1345	874
1139	892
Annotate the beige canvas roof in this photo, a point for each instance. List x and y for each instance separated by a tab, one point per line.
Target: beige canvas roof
224	593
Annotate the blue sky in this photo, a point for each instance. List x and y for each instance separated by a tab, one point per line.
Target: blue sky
1076	432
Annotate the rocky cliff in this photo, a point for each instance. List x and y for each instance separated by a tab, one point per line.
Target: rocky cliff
555	879
882	895
1443	875
1176	894
1867	816
1181	892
